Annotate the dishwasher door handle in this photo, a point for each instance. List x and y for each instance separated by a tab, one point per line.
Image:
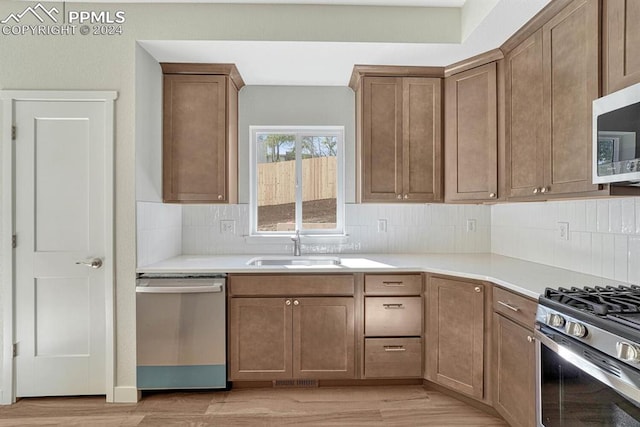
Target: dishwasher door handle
216	288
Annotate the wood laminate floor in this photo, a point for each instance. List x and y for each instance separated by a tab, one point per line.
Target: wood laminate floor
331	406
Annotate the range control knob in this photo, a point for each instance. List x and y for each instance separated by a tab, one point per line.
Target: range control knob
628	352
575	329
555	320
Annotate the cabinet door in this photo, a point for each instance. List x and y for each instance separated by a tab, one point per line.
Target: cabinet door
195	138
515	373
621	44
421	140
523	106
570	51
260	339
381	139
471	135
456	335
323	338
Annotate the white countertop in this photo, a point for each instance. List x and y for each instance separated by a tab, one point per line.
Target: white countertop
527	278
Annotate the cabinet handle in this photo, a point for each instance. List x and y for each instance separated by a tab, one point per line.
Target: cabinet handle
530	338
492	195
509	306
478	289
393	284
388	306
296	302
287	302
394	348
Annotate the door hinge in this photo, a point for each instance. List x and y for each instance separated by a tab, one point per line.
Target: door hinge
14	241
13	133
15	349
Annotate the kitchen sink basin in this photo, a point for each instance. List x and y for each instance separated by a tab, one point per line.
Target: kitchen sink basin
295	261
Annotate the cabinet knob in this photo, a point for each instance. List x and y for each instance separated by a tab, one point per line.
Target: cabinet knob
296	302
220	197
530	338
536	190
478	289
406	196
399	196
287	302
544	189
492	195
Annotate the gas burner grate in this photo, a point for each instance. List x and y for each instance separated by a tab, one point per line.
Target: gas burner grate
599	300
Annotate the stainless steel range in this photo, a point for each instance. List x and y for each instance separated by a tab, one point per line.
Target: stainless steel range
588	357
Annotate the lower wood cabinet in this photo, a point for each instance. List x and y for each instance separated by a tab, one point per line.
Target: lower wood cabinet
285	338
514	357
455	347
514	396
392	357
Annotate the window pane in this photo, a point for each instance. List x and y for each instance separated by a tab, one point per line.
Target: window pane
319	182
276	186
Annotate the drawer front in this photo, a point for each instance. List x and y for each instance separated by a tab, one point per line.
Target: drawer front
514	306
393	284
291	285
393	316
393	358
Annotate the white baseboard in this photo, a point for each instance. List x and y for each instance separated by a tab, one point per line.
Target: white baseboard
126	395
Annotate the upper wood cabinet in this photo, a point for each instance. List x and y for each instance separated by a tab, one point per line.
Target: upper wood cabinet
471	135
551	81
621	44
456	335
398	135
200	133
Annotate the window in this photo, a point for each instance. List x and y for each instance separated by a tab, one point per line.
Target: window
297	180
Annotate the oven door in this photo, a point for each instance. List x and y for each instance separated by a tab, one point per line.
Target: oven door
580	386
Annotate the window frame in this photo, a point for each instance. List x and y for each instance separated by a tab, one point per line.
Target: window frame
300	132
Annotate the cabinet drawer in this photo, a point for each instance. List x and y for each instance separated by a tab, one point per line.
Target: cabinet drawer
392	316
392	357
393	284
515	307
291	285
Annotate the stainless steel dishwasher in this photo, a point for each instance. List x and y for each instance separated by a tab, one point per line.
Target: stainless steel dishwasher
181	332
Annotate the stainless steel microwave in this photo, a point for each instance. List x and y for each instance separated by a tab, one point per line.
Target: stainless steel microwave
616	142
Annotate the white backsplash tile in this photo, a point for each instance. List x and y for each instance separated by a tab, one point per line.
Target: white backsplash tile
411	228
603	235
159	231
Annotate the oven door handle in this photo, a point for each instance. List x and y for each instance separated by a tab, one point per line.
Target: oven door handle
580	362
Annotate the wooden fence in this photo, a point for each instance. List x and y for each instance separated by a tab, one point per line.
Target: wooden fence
277	181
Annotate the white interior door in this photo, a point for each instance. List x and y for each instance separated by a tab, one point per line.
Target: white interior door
60	219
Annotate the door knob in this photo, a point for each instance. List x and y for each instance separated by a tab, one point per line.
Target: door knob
93	263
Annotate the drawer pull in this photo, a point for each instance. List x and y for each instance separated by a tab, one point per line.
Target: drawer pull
509	306
388	306
394	348
393	284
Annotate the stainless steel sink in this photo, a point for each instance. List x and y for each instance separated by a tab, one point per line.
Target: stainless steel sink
295	261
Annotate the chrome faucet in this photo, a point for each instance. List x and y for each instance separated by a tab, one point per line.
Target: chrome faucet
296	243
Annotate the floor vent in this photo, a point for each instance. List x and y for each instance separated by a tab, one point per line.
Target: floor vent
295	383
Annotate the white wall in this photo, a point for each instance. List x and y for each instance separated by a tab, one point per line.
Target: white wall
159	231
148	127
604	235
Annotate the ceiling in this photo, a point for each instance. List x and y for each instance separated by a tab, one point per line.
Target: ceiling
331	63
